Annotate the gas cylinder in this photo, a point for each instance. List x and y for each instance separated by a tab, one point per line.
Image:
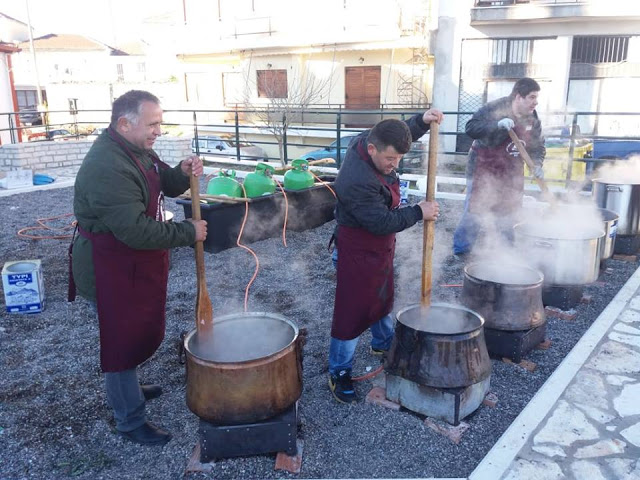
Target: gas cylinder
225	184
260	182
299	176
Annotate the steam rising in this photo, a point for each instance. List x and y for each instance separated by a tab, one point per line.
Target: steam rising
242	338
624	171
440	319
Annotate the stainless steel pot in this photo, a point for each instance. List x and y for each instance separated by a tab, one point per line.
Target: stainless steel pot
440	346
249	369
569	257
623	199
509	297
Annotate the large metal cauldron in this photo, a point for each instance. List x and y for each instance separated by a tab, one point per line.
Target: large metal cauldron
508	297
249	370
440	346
565	256
622	197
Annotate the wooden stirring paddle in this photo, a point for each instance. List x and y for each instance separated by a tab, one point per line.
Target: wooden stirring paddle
204	309
527	159
429	225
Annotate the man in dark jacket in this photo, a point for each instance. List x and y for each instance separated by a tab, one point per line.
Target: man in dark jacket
495	170
368	218
120	258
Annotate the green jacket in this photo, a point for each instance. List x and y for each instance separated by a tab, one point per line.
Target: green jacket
111	195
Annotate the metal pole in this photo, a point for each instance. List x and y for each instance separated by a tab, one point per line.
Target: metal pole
237	135
33	54
338	133
284	137
572	141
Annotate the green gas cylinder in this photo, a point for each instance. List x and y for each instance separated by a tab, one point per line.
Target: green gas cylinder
225	184
260	182
299	176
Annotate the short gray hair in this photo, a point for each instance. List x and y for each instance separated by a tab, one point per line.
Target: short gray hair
129	105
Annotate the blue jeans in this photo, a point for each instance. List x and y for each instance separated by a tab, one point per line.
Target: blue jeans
467	231
341	352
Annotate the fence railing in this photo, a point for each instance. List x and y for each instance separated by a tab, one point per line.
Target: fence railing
570	136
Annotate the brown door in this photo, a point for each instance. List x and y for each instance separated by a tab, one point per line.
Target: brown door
362	89
362	92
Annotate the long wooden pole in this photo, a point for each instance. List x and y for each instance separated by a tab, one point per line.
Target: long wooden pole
527	159
204	309
429	225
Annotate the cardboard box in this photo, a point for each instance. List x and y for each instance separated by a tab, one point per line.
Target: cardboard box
16	178
23	286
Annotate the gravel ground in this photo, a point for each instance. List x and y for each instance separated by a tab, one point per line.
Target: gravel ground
53	415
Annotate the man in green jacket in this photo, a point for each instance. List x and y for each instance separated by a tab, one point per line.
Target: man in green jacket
120	257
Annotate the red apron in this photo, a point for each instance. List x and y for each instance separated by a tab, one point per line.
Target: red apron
498	181
131	287
364	290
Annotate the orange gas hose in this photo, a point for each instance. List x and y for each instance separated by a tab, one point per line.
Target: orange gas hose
255	273
286	212
324	183
43	226
368	375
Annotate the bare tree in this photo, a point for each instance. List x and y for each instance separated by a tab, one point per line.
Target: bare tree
288	98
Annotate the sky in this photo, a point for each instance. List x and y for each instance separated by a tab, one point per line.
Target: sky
109	21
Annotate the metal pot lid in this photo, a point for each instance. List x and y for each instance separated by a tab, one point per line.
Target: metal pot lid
555	231
617	180
503	274
440	319
243	337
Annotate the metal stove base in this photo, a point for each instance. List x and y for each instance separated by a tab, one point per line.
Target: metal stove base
564	297
276	434
448	404
513	344
627	244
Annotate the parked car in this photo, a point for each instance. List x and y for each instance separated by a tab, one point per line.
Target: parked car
30	116
96	133
226	146
416	157
331	150
59	134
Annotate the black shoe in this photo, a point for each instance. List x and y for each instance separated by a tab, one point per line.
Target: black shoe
151	391
147	434
341	386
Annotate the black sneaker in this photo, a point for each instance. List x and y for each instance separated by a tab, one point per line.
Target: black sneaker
341	386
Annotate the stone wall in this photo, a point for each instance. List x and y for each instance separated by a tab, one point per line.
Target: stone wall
47	156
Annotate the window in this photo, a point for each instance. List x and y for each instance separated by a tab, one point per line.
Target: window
599	49
510	51
272	83
120	71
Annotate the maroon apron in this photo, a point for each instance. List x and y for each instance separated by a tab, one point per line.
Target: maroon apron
498	180
131	286
364	290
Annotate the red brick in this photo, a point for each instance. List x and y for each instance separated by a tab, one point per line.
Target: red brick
378	396
561	314
586	298
290	463
490	400
526	364
544	345
452	433
626	258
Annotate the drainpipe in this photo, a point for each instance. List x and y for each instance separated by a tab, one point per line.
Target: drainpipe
33	55
14	96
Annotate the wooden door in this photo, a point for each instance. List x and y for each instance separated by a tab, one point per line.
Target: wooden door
362	88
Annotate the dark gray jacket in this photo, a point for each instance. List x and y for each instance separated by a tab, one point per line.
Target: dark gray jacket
483	128
363	201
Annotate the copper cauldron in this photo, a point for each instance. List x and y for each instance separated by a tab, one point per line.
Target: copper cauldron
440	346
249	370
